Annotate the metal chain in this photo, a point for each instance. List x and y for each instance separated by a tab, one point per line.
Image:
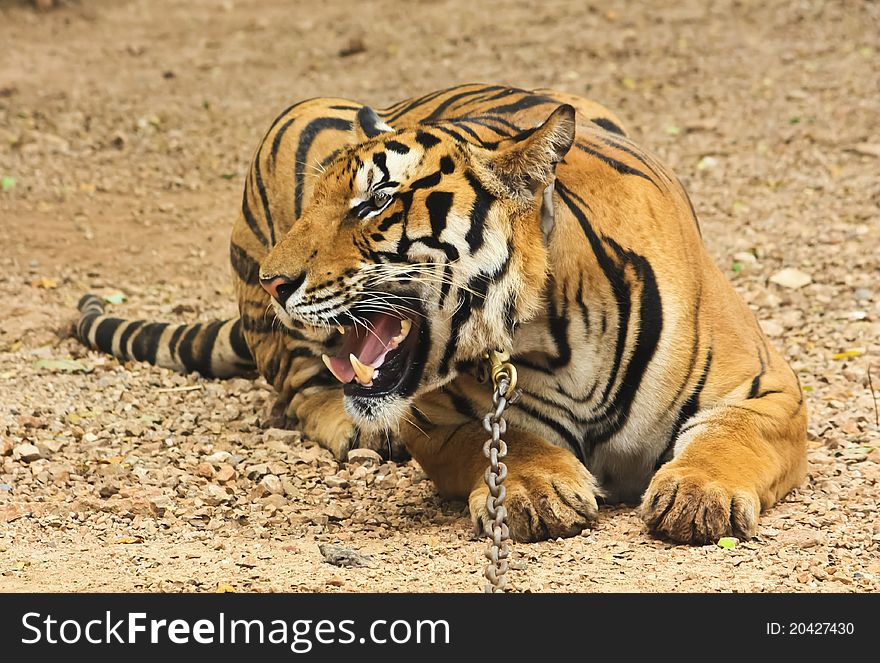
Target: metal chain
504	394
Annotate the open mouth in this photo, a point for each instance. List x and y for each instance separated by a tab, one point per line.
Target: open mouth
378	355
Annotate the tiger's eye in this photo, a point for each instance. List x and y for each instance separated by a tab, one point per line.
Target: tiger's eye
381	198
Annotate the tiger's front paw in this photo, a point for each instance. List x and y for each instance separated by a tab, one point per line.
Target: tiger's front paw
688	505
542	502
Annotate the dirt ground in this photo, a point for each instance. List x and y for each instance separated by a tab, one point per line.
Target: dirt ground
125	131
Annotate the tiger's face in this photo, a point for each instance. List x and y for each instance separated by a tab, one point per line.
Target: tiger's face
422	251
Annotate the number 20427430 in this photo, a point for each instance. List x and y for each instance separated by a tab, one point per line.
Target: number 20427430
810	628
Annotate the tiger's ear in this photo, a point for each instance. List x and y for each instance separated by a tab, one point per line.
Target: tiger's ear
527	162
367	124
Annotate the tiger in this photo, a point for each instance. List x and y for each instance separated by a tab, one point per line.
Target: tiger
379	255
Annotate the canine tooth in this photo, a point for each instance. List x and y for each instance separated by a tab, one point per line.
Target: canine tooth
340	329
405	326
329	366
363	372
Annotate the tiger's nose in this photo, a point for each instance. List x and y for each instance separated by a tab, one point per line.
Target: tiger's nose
282	287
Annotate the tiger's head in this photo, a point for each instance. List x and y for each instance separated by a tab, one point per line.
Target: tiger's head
423	250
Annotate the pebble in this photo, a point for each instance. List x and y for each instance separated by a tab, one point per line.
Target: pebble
218	457
336	482
791	278
801	538
26	452
342	556
272	484
772	328
205	469
225	473
364	457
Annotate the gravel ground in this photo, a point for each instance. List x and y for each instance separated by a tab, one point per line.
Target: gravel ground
125	131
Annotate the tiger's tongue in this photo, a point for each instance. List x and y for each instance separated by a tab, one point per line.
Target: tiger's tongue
366	342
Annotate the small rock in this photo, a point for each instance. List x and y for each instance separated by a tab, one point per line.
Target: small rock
282	435
272	484
867	149
791	278
801	538
335	581
772	328
334	512
277	501
341	556
364	457
225	473
214	495
336	482
108	490
205	469
26	452
218	457
159	505
6	449
745	258
254	472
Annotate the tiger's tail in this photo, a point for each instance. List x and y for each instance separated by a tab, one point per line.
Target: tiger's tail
215	349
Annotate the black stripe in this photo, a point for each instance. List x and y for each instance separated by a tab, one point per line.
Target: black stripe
641	156
459	318
308	135
249	218
444	286
470	132
390	220
756	382
614	412
483	200
608	125
202	362
276	141
146	343
415	103
449	132
126	335
247	268
185	348
105	332
619	166
173	341
688	410
396	146
438	111
238	341
570	438
379	160
461	404
426	140
426	182
264	198
529	101
438	203
558	325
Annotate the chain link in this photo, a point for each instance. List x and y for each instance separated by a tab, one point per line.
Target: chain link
495	449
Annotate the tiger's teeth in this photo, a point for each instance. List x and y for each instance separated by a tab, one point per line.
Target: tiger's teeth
340	329
405	326
363	372
330	368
